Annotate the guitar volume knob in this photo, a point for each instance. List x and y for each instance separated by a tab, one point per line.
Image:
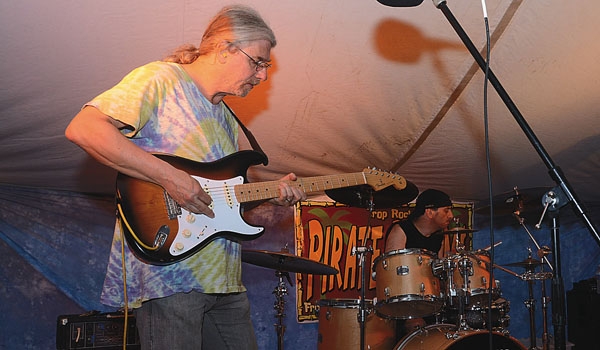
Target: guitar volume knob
190	218
179	246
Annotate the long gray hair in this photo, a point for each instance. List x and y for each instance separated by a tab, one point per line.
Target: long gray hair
234	24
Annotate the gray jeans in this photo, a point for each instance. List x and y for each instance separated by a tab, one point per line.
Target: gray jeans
196	321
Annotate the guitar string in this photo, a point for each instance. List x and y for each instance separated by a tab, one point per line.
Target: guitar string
222	192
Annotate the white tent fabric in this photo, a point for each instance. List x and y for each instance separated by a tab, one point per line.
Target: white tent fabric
354	84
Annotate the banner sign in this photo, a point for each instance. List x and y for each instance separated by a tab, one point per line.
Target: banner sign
332	233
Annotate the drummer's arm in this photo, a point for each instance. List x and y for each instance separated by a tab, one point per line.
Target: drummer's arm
441	253
396	239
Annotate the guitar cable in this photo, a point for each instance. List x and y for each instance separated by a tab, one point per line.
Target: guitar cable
123	265
126	223
126	298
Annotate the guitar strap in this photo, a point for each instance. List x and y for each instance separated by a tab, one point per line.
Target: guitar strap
249	136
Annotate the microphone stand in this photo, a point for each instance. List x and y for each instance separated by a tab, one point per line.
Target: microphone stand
558	309
555	171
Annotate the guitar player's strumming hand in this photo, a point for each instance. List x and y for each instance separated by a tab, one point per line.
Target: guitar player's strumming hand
188	193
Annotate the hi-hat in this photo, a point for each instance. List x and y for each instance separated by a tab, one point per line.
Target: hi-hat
360	196
458	230
286	262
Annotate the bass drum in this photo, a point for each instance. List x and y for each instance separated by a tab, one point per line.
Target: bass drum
339	327
446	337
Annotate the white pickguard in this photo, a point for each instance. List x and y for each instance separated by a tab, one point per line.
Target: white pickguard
195	229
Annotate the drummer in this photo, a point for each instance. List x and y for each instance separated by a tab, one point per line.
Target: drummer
432	213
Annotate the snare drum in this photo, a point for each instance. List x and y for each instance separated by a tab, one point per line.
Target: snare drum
339	327
447	337
405	285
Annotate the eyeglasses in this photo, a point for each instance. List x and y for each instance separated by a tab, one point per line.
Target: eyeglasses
259	65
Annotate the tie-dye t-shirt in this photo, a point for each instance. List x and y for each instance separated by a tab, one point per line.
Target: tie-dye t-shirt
168	114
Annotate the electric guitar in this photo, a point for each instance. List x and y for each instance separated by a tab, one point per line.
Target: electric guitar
161	232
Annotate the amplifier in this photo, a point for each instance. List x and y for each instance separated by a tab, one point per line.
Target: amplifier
96	330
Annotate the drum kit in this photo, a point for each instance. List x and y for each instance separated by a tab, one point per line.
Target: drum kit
455	291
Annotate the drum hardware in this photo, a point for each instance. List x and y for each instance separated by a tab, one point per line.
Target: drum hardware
542	253
472	269
280	292
530	276
364	196
549	199
530	303
478	316
466	275
361	252
517	215
283	263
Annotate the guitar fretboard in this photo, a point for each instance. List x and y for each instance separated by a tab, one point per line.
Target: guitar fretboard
270	189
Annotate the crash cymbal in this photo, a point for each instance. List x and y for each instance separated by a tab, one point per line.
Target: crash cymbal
458	230
360	196
286	262
522	201
527	263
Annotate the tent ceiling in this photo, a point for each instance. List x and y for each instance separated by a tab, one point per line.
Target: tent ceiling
354	84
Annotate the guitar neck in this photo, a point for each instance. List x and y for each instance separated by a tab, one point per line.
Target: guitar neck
270	189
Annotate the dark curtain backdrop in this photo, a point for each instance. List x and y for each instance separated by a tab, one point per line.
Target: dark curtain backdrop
54	247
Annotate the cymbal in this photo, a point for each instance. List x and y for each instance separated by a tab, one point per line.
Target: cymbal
527	263
458	230
286	262
528	201
360	196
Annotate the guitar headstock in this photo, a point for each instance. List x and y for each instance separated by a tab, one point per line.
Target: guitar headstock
379	179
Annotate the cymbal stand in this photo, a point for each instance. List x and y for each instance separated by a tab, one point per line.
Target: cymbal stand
465	266
542	253
545	301
361	252
517	214
280	292
530	304
362	309
553	200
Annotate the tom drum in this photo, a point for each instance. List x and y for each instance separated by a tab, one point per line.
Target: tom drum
405	285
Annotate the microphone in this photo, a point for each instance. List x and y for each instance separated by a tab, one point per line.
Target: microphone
400	3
